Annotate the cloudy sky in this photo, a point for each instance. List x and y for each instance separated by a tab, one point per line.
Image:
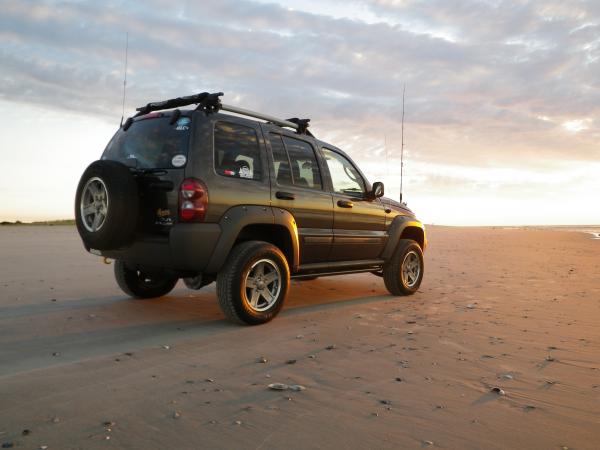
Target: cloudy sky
502	98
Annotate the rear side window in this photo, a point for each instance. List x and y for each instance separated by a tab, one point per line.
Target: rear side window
152	143
237	153
295	162
283	172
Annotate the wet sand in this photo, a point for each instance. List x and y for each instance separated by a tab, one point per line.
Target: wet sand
84	367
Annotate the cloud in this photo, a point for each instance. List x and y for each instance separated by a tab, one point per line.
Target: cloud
479	74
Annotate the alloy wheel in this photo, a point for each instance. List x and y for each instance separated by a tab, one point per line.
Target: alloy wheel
410	269
94	204
262	285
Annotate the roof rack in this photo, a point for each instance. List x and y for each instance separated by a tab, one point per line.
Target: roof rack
210	103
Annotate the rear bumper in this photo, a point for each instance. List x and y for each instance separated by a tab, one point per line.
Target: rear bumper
187	247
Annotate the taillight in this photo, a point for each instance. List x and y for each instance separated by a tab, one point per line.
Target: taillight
193	200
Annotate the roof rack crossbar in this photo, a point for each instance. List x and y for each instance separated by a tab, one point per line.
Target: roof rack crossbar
257	115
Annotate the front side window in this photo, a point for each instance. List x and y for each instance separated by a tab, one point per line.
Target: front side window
237	153
344	176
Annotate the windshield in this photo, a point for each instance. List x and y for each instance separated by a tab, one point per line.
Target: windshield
151	143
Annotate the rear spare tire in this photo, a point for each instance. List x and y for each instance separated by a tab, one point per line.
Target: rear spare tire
106	205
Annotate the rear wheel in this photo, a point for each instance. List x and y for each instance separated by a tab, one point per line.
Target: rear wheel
403	273
253	283
140	284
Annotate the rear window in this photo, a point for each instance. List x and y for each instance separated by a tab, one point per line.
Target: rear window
152	143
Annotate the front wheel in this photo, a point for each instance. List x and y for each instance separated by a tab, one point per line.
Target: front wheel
403	273
253	283
139	284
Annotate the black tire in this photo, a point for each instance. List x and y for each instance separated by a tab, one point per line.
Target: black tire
119	217
137	284
232	292
407	254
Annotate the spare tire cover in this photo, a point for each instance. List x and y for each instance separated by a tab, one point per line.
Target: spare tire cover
106	205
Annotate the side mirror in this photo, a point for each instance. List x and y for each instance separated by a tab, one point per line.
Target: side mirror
377	190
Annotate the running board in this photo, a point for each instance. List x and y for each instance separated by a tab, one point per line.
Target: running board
338	268
329	274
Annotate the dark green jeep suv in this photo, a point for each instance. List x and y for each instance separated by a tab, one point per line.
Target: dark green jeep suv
245	199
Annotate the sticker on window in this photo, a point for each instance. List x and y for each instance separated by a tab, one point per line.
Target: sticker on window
178	160
245	172
183	124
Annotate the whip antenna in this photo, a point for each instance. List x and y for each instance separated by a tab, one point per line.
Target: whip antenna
387	166
402	143
125	75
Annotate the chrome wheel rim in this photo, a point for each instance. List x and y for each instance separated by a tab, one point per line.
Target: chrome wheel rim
411	269
262	285
94	204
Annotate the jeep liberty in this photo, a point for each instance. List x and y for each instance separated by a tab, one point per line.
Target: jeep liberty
247	200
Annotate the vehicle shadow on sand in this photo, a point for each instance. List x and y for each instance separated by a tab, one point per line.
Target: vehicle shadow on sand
68	331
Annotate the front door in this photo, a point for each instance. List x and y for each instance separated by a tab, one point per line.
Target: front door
358	223
297	186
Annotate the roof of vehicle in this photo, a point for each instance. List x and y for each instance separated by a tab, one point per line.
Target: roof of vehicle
210	104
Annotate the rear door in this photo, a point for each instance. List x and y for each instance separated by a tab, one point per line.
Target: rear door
297	186
156	148
236	172
358	222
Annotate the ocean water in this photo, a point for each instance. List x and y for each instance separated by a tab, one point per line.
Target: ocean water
592	230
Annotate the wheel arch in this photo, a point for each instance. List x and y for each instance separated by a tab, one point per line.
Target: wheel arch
248	222
403	227
276	234
415	233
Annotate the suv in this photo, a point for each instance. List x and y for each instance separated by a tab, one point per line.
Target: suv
204	196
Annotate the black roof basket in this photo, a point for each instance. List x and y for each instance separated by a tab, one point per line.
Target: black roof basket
205	101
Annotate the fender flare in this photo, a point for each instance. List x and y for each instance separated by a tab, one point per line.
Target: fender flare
238	217
397	227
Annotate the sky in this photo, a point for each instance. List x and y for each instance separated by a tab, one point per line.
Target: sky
502	108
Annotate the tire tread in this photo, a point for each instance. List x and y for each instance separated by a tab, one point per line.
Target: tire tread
391	270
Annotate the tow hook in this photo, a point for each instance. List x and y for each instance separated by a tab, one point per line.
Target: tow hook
105	260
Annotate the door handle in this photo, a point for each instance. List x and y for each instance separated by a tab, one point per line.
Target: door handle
285	195
345	204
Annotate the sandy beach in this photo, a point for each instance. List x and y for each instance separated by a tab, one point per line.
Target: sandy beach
84	367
